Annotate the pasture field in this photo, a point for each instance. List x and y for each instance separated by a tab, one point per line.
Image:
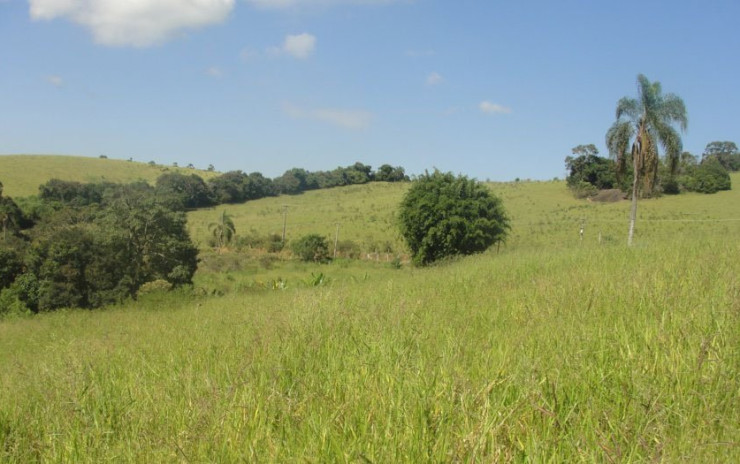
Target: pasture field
21	175
551	349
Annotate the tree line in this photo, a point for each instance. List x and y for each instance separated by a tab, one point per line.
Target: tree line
91	244
188	191
588	172
90	249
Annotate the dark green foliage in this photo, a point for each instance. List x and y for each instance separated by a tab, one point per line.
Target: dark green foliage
311	247
12	219
182	191
153	239
725	152
387	173
74	193
709	177
88	255
11	266
443	215
591	169
238	187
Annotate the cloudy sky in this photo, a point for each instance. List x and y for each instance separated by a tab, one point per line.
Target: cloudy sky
492	89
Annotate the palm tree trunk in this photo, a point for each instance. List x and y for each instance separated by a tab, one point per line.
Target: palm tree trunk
633	213
633	210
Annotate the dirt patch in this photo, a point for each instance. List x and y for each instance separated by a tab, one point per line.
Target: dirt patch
608	196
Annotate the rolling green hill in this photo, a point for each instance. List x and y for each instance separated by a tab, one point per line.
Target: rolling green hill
543	214
552	349
21	175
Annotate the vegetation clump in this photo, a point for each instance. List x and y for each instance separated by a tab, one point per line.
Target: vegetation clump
709	177
444	215
588	173
87	246
311	247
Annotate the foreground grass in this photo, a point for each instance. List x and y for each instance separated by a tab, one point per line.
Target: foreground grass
590	354
552	350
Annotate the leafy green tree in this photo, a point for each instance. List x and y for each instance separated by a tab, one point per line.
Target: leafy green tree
11	266
223	230
647	122
182	191
709	177
311	247
11	216
725	152
589	169
443	215
150	238
387	173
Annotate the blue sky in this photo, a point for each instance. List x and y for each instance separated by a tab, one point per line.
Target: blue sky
491	89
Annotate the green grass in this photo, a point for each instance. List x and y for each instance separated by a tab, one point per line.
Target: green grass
365	214
21	175
552	349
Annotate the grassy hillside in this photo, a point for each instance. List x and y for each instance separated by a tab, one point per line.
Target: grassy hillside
21	175
551	350
543	214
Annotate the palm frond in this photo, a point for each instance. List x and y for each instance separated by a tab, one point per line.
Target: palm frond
674	111
628	107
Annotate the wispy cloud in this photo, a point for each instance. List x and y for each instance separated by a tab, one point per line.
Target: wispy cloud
434	79
348	119
56	81
137	23
299	46
215	71
493	108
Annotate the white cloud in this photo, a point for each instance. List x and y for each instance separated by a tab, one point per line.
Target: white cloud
434	79
300	46
280	4
491	108
348	119
215	71
138	23
56	81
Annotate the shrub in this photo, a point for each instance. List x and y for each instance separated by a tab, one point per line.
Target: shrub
709	177
311	247
155	286
591	169
442	215
583	189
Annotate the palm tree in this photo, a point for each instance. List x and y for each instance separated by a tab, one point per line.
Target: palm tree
223	230
647	122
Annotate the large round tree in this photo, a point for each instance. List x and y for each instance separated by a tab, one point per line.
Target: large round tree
443	215
647	121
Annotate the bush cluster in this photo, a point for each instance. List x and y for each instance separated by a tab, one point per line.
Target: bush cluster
92	248
444	215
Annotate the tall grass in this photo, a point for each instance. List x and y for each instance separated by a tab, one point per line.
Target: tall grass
552	349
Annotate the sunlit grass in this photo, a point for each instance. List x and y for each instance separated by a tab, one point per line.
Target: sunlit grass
21	175
551	349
